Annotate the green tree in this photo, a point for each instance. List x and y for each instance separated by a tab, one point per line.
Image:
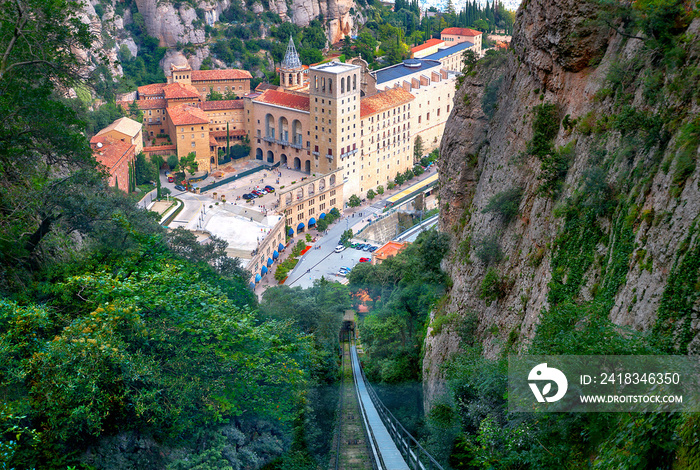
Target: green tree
371	194
418	148
380	189
354	201
188	163
399	179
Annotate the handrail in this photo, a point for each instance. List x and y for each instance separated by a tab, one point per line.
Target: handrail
409	447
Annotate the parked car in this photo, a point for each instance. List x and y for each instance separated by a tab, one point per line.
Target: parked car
270	189
344	269
247	196
373	249
365	260
339	248
180	187
171	179
354	245
367	247
360	246
262	191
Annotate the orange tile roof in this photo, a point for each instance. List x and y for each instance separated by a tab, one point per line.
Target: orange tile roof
287	100
212	141
429	43
152	89
231	132
158	103
179	90
160	147
384	100
461	32
186	115
223	104
262	86
229	74
111	152
389	249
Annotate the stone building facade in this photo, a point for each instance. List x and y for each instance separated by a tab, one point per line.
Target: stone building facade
303	203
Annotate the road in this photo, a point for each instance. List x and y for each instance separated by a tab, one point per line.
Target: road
324	261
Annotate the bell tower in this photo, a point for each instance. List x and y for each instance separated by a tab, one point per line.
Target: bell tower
291	70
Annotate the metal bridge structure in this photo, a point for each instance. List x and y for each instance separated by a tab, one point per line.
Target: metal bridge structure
388	445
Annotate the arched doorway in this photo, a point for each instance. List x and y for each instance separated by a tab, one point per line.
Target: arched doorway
284	129
297	163
307	166
297	133
258	154
283	159
269	126
270	156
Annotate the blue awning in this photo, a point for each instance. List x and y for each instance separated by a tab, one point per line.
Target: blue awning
281	247
257	278
322	216
263	271
269	261
300	226
252	285
275	255
291	232
312	221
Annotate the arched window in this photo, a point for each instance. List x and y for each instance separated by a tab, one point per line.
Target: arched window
342	85
354	82
330	85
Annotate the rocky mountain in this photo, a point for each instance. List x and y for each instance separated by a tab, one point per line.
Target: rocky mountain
569	184
183	23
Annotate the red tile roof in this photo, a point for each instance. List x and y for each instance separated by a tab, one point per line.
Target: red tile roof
461	32
262	86
429	43
179	90
158	103
231	132
160	147
186	115
229	74
111	152
152	89
287	100
384	100
223	104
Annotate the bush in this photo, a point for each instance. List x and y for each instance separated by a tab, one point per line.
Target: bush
380	189
505	203
488	250
173	161
493	287
554	168
545	128
489	101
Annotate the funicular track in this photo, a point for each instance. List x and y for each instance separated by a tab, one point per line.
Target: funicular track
368	437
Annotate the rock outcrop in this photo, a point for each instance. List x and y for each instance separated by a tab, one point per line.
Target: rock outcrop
561	56
180	23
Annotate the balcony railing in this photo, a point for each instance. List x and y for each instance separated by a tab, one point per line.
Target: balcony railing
329	156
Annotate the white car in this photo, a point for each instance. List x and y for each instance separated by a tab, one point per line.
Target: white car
339	248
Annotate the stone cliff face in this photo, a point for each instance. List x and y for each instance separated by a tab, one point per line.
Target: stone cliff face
485	151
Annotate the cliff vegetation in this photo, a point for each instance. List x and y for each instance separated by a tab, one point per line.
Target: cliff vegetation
569	185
